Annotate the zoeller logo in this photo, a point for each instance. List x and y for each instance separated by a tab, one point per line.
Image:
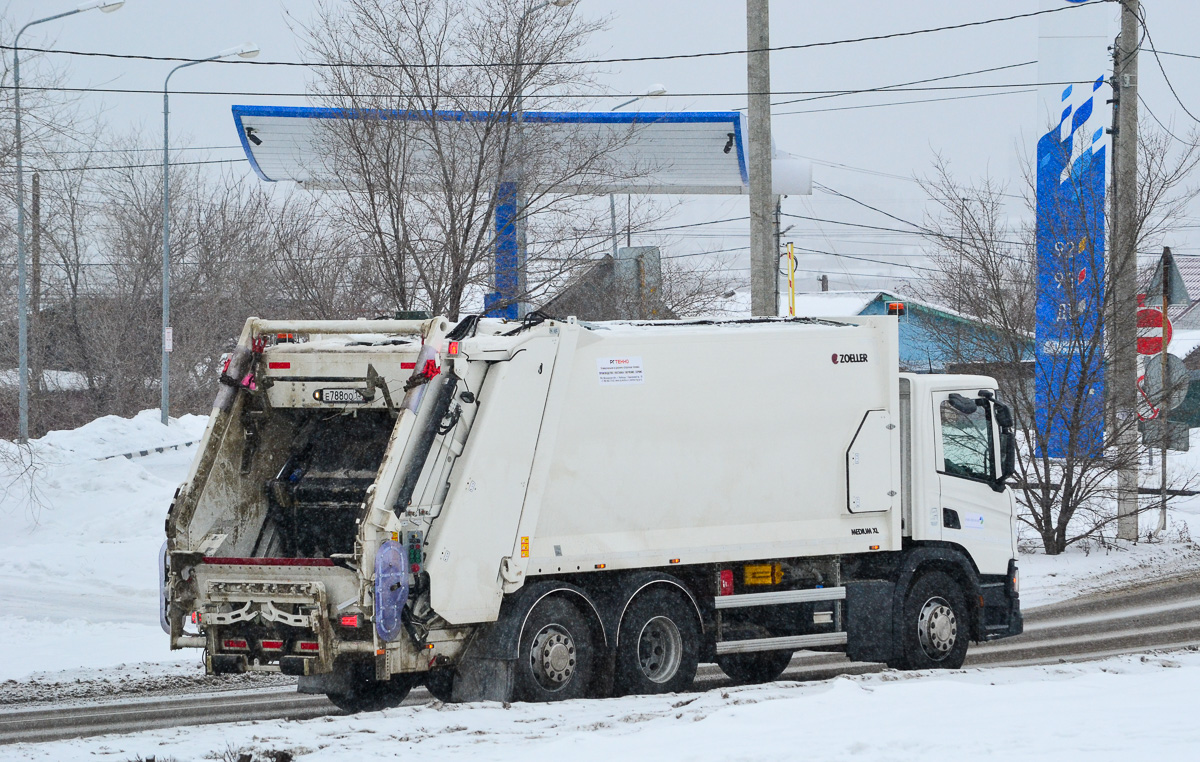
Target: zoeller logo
849	358
865	530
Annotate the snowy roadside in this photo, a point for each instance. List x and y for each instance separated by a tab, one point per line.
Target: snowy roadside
85	564
78	566
1027	713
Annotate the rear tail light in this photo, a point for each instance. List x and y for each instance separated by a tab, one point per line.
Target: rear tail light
271	645
452	349
197	617
350	620
308	645
235	644
726	582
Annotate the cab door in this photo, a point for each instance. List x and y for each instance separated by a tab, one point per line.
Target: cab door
975	513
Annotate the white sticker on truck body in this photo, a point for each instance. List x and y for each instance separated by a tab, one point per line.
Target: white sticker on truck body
972	521
620	370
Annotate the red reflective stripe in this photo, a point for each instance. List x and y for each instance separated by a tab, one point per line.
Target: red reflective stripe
271	561
279	365
408	365
310	646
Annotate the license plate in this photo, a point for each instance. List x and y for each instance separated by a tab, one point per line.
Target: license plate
339	396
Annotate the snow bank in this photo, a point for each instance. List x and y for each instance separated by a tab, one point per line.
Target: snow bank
1027	713
52	380
78	562
113	435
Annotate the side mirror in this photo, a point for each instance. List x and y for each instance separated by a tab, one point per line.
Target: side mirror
1003	415
962	404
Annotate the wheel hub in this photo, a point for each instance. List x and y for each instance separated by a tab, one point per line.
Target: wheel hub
660	649
938	628
553	657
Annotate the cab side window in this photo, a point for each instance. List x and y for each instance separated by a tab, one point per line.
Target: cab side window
967	443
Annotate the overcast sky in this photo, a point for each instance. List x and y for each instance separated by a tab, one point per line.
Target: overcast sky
881	147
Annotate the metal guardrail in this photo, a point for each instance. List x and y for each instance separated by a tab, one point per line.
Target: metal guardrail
149	451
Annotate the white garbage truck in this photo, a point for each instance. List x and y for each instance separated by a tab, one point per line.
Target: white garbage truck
550	509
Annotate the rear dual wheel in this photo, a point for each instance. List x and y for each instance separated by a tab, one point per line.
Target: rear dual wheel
658	644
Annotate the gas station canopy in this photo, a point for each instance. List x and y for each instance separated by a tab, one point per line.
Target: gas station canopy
652	152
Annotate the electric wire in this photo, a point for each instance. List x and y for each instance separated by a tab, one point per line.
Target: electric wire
820	94
627	59
1163	69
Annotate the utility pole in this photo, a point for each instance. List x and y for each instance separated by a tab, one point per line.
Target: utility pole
778	233
1122	329
764	256
36	371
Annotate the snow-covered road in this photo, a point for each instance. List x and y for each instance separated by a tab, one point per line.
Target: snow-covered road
1128	708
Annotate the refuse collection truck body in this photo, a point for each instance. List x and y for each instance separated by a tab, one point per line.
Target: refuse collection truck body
553	509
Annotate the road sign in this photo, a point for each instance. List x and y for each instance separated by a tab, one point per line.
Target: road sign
1176	385
1175	434
1177	293
1150	337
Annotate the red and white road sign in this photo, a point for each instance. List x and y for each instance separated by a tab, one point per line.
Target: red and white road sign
1150	336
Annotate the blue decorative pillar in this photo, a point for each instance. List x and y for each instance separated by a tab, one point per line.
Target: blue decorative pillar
502	302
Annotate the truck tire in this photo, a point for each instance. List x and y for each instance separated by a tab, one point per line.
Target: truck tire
555	658
366	694
658	645
935	628
760	667
440	683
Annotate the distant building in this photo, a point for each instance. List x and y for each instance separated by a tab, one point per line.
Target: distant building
933	339
626	288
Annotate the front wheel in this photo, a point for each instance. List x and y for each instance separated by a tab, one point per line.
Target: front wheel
555	656
935	629
658	644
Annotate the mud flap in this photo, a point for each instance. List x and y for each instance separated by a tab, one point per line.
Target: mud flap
484	679
869	635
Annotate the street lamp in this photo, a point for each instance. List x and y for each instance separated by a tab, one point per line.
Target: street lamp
245	50
654	91
108	6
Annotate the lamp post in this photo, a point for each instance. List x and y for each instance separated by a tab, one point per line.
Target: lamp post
108	6
654	91
245	50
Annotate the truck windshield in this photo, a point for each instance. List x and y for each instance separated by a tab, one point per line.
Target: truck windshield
967	443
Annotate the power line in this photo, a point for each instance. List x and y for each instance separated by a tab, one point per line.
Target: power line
630	59
818	94
1164	127
906	103
1158	60
136	166
886	88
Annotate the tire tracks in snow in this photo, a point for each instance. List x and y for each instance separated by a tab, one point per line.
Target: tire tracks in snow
1160	615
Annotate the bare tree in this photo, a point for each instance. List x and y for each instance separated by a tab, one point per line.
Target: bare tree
988	270
438	142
